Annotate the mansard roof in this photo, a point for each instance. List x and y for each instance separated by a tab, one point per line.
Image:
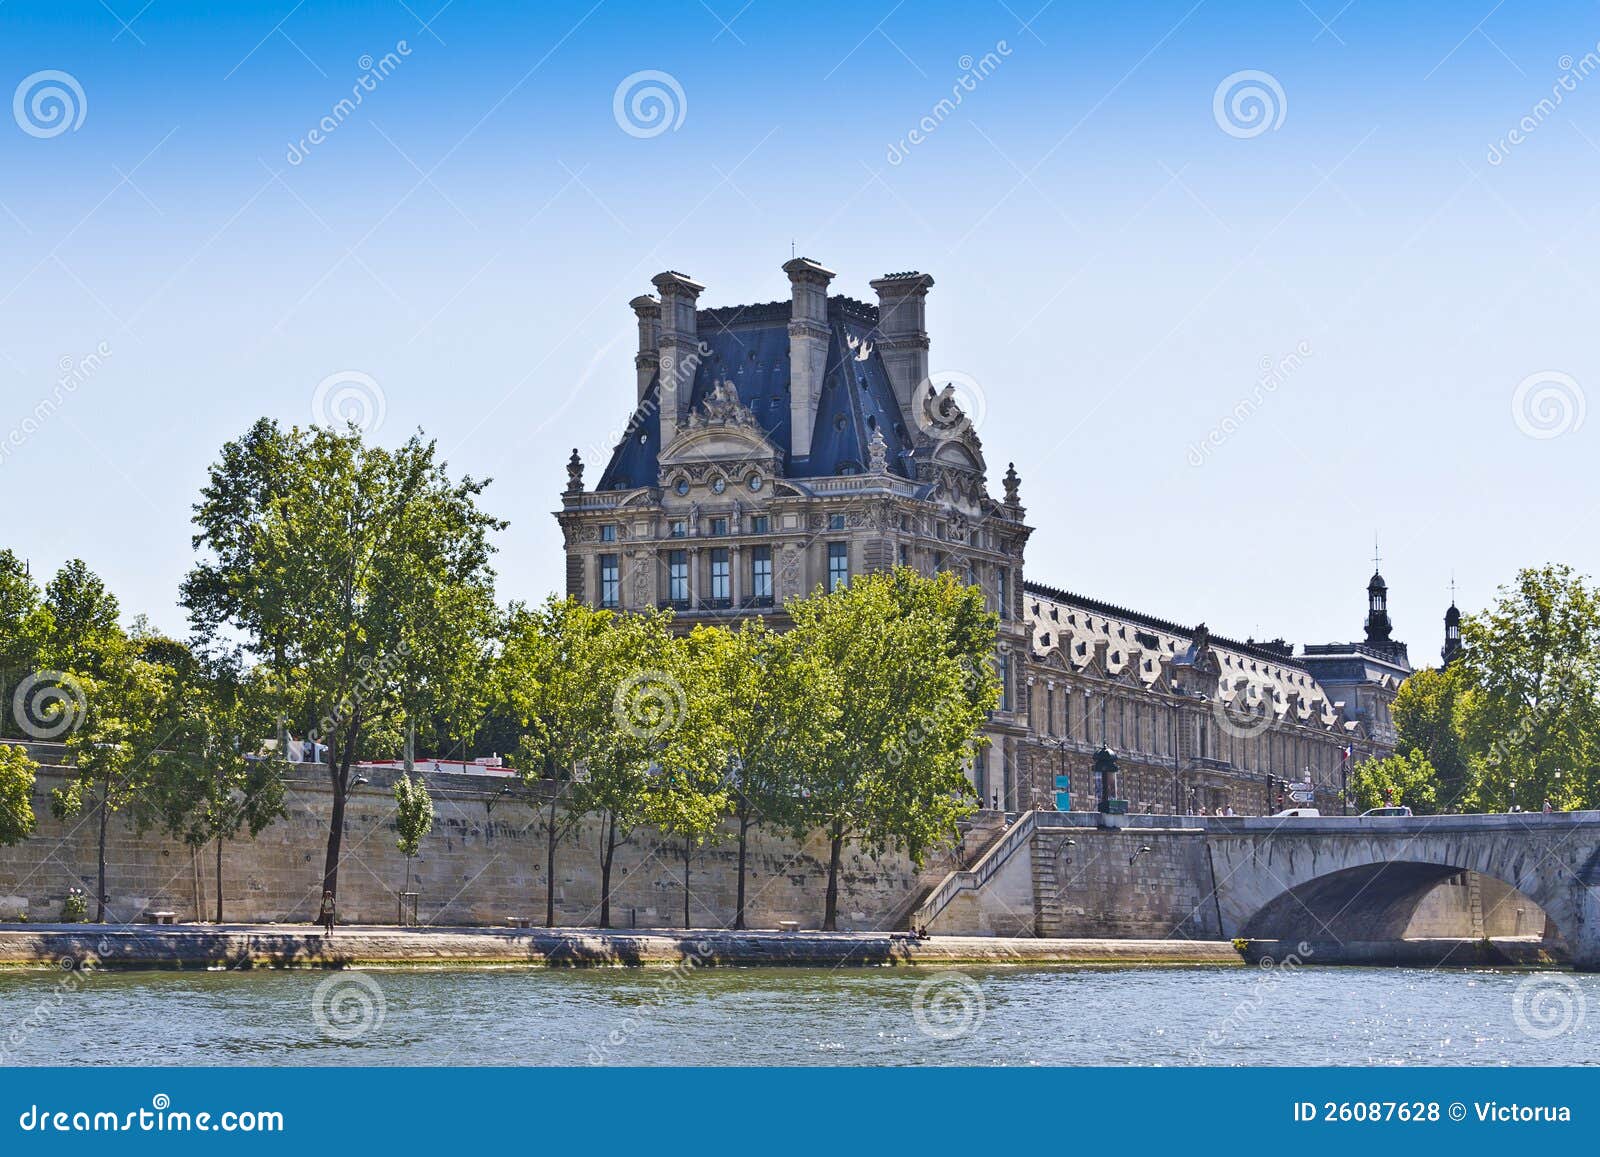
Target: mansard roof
748	345
1270	673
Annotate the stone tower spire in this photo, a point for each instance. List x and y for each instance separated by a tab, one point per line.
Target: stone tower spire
1379	629
1452	630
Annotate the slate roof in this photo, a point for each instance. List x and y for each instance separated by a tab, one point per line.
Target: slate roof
749	346
1272	675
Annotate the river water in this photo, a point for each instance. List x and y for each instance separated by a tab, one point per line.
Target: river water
1050	1016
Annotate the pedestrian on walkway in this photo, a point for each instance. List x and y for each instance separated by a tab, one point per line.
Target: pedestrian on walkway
325	913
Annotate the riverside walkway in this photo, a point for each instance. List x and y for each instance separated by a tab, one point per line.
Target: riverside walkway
288	946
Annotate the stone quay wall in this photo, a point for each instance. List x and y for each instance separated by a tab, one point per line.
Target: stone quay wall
483	862
1130	882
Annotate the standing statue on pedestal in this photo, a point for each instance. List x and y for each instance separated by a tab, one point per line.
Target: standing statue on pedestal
1105	767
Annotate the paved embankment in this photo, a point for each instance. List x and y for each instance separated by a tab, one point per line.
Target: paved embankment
266	946
1431	952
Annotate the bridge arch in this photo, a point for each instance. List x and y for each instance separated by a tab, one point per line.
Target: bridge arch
1372	902
1353	880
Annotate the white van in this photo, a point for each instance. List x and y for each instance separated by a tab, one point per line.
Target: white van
1297	813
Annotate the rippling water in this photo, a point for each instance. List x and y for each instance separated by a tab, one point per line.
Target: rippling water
1337	1016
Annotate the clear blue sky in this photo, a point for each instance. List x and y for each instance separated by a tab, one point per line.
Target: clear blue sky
1113	266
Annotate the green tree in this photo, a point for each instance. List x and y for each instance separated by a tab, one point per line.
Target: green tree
207	786
1431	713
413	818
17	777
84	633
688	791
637	670
544	683
332	559
25	627
112	753
772	705
913	683
1397	780
1533	659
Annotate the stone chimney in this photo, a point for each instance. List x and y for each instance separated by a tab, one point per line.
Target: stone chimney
808	349
903	335
679	348
648	359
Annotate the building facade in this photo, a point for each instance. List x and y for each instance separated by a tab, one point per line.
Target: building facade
778	448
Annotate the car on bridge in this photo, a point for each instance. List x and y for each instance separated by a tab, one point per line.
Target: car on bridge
1386	811
1297	812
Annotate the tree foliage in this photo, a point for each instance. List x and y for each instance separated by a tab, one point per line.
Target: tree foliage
17	778
1397	780
113	751
413	817
359	579
543	683
913	684
1515	720
772	705
1430	713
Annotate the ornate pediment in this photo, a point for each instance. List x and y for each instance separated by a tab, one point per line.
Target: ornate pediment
722	430
722	407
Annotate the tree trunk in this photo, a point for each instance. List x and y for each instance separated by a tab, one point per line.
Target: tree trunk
608	849
339	775
688	850
105	815
744	843
219	879
550	864
830	910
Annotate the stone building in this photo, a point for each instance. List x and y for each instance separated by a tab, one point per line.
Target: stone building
779	448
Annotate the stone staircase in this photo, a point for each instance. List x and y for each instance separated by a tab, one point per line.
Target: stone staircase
977	836
960	886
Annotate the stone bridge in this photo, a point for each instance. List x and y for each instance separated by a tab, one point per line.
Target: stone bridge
1359	880
1347	882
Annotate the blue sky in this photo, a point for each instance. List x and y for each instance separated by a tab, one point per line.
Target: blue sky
1115	260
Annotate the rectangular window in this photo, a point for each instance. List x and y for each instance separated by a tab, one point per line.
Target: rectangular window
904	556
719	575
719	527
610	581
760	524
677	528
838	565
1002	589
761	574
678	576
835	522
608	533
1003	663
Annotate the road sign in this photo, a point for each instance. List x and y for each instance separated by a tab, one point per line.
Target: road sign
1303	796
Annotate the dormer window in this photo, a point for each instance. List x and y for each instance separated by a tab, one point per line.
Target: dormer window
682	487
